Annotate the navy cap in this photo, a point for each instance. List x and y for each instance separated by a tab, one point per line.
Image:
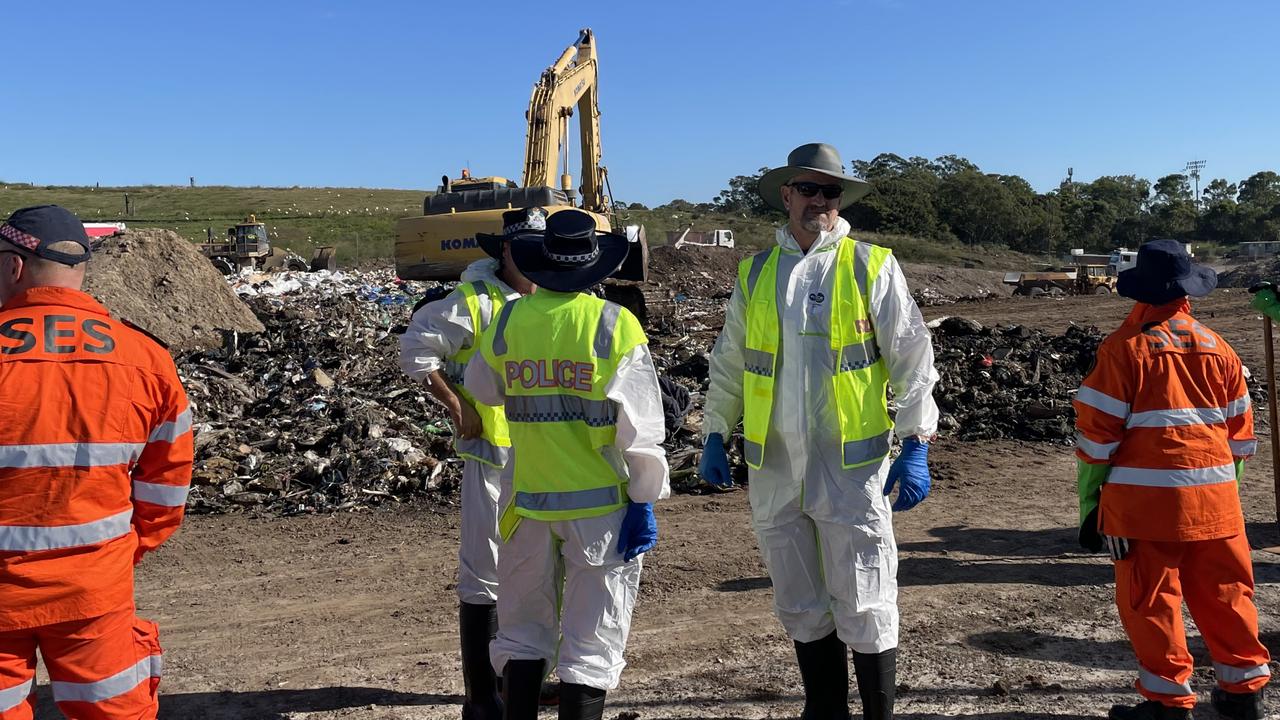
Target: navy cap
34	229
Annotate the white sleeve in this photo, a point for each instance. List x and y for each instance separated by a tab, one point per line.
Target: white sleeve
723	408
438	330
483	383
907	349
641	429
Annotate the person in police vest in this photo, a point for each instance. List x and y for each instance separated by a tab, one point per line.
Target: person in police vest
816	330
1164	426
584	412
95	464
434	351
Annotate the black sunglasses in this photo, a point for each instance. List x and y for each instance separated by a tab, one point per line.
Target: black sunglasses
809	189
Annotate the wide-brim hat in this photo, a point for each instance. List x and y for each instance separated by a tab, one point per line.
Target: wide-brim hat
1165	272
571	255
815	157
526	223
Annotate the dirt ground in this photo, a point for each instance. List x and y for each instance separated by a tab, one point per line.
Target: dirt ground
354	615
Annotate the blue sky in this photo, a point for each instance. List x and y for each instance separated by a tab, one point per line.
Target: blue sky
397	93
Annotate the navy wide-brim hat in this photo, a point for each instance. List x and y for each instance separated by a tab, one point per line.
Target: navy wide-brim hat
526	223
572	255
1164	273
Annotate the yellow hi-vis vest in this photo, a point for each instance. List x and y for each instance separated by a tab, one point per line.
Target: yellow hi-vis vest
860	380
487	447
556	353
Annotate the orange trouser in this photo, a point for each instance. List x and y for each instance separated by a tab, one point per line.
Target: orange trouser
103	668
1215	577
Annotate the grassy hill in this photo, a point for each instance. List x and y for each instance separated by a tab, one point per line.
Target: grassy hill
360	222
297	218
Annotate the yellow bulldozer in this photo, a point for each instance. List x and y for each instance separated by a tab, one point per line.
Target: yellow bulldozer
441	242
248	245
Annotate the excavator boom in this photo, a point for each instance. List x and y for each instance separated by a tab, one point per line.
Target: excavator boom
570	83
441	242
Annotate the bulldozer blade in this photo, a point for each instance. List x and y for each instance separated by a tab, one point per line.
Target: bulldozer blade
324	258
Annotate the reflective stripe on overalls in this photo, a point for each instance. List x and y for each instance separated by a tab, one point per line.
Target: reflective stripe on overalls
488	447
860	379
556	353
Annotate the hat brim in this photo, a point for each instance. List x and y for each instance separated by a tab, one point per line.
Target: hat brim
492	244
770	185
1133	284
545	272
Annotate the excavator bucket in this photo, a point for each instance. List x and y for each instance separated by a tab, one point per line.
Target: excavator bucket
324	258
636	266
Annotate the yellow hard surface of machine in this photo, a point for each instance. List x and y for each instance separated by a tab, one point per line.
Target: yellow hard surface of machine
442	242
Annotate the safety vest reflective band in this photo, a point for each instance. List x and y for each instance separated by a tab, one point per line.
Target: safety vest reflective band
561	408
114	686
69	455
555	354
1163	477
1156	684
860	379
170	431
161	494
486	448
1229	674
33	538
12	697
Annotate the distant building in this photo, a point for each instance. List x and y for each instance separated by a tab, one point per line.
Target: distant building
1255	250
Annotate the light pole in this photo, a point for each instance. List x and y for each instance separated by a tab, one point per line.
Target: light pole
1193	170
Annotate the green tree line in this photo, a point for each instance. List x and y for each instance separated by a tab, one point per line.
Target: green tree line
951	199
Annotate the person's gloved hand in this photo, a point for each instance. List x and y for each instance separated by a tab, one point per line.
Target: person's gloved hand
1090	538
639	531
1117	547
714	466
911	472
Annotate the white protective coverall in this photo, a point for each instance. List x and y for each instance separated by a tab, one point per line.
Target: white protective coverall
437	331
826	533
580	556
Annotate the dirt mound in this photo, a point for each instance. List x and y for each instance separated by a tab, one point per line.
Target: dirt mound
703	272
160	282
941	284
1250	274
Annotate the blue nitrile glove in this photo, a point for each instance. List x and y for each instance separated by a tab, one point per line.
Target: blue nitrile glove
639	531
911	468
714	466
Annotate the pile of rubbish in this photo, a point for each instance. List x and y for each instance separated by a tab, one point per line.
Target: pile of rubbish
313	414
1250	274
1009	382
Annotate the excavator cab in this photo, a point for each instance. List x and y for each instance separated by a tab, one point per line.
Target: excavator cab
466	183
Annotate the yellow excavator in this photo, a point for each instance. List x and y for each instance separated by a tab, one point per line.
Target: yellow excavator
440	243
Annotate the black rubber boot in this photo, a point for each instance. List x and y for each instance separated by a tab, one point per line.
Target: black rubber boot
824	669
521	684
877	682
477	626
1238	706
581	702
1149	710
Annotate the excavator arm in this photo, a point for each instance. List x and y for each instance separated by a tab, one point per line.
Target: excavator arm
571	82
